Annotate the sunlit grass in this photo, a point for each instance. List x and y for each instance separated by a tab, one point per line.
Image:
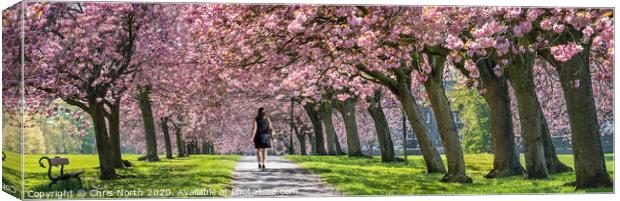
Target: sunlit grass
351	176
360	176
193	173
11	177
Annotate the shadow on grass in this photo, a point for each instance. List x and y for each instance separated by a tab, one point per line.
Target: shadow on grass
356	176
64	185
11	183
188	173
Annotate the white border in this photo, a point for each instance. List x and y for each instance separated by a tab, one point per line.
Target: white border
537	3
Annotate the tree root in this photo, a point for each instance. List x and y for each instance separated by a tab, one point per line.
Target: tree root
456	178
504	173
117	176
148	159
362	156
559	168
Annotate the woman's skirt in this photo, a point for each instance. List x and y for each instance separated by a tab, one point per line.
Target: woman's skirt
262	141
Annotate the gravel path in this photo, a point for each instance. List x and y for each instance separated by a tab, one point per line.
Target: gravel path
281	178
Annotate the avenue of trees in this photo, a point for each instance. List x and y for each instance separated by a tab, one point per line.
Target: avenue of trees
156	76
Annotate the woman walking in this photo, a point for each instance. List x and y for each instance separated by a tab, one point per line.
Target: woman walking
262	136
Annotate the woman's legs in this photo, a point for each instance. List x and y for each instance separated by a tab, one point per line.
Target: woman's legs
258	157
264	155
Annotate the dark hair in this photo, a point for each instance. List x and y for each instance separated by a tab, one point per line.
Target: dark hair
261	113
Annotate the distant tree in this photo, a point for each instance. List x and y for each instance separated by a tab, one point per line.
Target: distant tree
62	136
88	142
474	113
10	132
34	142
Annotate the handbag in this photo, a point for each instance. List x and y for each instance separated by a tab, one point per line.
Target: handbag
265	138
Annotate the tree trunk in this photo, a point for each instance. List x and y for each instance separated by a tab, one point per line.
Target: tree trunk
180	142
313	114
149	124
302	144
445	123
554	165
505	155
586	138
384	137
196	147
312	144
522	79
204	148
106	162
338	147
301	137
188	149
326	116
166	132
347	109
114	131
430	154
211	148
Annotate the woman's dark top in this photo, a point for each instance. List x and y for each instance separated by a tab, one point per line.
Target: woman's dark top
262	137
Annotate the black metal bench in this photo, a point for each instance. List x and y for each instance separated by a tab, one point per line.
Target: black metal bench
55	162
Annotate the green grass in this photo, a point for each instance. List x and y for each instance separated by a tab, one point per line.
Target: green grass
11	177
351	176
182	176
360	176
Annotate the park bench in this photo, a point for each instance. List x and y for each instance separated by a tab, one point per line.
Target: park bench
55	162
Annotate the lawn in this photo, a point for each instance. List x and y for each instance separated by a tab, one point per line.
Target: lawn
360	176
11	174
194	176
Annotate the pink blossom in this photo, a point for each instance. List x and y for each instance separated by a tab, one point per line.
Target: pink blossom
272	22
497	70
576	83
422	77
504	61
474	74
454	42
526	26
565	52
296	25
502	46
587	32
546	24
517	31
480	32
485	42
426	67
558	28
470	65
367	39
342	97
521	28
533	13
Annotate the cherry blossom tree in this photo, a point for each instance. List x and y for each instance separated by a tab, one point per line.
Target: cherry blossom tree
586	36
189	69
518	37
88	55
